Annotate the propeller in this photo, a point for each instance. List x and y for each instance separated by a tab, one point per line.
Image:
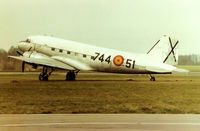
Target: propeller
23	66
19	52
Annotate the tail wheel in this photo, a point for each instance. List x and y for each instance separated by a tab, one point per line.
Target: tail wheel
152	78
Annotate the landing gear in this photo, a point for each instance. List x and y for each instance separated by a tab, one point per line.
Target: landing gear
44	76
152	78
71	75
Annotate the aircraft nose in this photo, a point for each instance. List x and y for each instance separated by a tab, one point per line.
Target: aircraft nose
23	46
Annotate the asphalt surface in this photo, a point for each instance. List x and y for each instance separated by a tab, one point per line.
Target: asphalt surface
96	122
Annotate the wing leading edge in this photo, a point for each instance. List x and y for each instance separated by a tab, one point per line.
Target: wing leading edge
44	61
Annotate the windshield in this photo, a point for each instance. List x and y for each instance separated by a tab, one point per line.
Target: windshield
28	41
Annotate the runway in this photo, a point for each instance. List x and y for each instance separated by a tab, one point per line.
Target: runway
96	122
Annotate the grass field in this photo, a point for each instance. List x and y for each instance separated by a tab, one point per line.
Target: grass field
191	68
99	93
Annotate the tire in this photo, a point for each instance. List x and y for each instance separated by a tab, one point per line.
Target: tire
46	78
43	77
70	76
153	79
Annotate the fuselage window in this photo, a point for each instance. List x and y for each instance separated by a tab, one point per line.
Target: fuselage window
68	52
92	57
60	50
53	49
84	56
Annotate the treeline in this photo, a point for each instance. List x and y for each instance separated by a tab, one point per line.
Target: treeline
8	64
189	60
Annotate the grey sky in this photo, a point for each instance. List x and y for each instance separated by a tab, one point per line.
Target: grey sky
130	25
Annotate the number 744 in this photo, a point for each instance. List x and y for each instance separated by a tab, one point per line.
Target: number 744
129	63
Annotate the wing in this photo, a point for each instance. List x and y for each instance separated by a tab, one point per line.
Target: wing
40	59
73	63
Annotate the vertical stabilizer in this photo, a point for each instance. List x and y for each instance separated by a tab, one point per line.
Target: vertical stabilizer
165	50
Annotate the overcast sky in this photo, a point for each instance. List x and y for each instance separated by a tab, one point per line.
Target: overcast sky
130	25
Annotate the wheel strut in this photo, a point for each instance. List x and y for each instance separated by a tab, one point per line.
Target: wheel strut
152	78
44	75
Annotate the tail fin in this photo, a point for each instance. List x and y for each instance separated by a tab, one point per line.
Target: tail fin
165	50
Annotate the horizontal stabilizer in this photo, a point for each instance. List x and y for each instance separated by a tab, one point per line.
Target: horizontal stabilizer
181	70
157	69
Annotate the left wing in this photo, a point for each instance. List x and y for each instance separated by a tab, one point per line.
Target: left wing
71	62
41	59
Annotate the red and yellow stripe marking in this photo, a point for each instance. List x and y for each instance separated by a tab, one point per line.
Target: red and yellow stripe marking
118	60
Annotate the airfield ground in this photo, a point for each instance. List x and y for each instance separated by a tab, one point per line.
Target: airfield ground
99	93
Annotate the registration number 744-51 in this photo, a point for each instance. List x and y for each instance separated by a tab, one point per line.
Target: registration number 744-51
117	60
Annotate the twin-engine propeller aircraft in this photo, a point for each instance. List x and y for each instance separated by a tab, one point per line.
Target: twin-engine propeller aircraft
54	53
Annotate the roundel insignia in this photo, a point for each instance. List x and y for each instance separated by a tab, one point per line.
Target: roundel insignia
118	60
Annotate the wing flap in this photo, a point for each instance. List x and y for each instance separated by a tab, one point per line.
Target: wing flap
71	62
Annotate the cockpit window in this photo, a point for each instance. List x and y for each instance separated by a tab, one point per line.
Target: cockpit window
28	40
53	49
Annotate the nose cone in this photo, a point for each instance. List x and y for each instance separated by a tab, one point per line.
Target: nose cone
23	46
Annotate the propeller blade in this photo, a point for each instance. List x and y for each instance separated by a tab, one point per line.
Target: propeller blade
23	66
19	52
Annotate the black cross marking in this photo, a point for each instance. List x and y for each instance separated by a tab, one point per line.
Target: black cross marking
172	50
153	47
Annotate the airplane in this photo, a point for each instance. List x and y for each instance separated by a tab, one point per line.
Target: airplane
54	53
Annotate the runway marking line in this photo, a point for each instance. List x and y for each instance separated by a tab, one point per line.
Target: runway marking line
136	123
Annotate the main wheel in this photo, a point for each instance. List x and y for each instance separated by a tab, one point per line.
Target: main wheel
43	77
46	77
70	76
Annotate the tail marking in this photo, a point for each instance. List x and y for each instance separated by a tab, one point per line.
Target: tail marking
153	47
172	50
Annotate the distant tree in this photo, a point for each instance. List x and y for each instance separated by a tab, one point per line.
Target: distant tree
12	51
13	65
7	64
3	59
189	60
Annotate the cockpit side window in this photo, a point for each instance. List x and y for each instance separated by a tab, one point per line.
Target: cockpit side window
28	40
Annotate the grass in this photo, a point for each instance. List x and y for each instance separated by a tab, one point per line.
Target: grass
99	93
191	68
